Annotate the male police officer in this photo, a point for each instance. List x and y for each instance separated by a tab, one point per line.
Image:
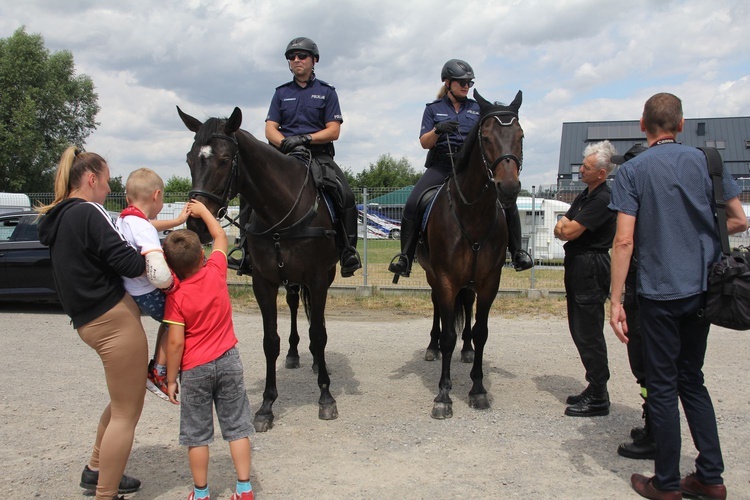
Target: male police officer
305	113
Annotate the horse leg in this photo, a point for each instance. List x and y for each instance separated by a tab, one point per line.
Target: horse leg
266	293
318	339
467	300
292	300
433	350
443	405
478	394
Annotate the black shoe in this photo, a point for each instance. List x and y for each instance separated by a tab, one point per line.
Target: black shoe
90	479
638	433
522	261
575	398
242	264
591	405
349	262
644	449
400	266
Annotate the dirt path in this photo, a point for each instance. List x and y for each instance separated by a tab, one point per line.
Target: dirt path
384	443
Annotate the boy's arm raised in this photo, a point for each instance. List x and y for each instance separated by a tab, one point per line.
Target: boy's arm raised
198	209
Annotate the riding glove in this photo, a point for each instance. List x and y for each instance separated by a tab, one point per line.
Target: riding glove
446	126
288	144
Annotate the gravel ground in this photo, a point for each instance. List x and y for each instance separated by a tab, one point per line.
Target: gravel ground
384	443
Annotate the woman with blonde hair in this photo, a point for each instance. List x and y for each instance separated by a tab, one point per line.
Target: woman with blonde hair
89	259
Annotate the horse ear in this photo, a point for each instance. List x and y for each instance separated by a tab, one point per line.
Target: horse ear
516	104
193	124
483	103
232	125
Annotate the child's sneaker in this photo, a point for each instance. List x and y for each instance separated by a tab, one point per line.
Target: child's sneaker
156	383
248	495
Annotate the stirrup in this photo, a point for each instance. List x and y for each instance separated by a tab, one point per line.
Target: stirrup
348	271
525	265
397	272
241	265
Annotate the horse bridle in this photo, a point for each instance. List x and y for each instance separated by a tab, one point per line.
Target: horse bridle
489	167
230	190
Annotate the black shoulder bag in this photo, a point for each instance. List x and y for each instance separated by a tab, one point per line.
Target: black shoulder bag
728	295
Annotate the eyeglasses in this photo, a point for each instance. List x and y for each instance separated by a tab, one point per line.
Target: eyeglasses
299	55
465	83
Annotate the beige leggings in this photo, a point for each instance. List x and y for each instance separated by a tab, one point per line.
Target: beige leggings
118	337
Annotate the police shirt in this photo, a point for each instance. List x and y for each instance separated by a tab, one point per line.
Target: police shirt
589	209
304	110
441	110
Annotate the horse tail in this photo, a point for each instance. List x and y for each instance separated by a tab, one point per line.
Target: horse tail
458	310
304	293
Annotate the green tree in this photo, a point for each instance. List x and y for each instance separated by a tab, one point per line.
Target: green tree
176	189
387	172
44	108
116	185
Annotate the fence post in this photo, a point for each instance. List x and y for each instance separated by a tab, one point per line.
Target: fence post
364	243
533	235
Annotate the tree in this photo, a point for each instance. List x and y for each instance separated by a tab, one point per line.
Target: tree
387	172
177	188
44	108
116	185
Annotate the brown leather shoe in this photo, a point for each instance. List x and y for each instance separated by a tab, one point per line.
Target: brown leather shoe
644	486
693	486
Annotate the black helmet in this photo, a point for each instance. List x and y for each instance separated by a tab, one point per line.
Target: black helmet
456	69
303	43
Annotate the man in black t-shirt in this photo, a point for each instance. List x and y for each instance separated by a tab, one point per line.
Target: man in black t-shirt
588	228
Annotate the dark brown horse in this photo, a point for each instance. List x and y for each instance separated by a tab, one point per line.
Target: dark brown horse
463	248
291	237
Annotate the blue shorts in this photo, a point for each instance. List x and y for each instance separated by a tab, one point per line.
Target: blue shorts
152	304
221	383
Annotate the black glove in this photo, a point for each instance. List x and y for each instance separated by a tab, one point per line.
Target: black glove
288	144
446	126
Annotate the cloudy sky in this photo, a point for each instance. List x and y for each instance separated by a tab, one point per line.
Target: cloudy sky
575	60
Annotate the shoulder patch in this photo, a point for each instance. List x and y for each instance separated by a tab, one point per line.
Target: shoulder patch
326	84
433	102
284	85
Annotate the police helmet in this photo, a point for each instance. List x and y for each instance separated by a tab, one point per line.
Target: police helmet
456	69
303	43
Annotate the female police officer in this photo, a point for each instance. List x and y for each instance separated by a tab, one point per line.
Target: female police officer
445	124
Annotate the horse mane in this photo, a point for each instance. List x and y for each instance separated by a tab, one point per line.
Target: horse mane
209	128
471	140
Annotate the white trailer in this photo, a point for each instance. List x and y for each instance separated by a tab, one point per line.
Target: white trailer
539	222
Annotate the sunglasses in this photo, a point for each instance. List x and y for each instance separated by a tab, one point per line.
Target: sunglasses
465	83
299	55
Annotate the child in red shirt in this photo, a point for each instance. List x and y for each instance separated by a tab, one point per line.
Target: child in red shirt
202	351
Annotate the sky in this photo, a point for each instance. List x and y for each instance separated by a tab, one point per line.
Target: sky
574	60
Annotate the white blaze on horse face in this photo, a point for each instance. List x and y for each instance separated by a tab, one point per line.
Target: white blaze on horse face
206	152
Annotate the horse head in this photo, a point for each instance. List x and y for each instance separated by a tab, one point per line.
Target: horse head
213	161
500	139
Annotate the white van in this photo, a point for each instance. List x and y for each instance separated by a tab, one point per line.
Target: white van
14	202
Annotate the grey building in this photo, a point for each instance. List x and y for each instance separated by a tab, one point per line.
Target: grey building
731	136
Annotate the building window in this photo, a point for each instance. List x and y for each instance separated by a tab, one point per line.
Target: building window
721	145
702	128
710	144
539	218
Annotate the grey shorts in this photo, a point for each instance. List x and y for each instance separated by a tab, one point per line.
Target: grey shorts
221	383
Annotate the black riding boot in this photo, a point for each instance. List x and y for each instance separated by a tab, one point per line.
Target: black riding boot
643	446
521	258
241	263
350	261
401	263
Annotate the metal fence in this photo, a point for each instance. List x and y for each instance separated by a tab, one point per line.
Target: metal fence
379	239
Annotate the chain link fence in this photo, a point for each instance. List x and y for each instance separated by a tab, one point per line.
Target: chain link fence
379	242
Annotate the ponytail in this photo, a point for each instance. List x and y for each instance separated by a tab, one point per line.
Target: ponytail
442	92
74	164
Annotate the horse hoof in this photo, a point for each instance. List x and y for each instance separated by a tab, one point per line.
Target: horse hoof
479	401
328	412
263	423
467	356
441	411
431	355
291	362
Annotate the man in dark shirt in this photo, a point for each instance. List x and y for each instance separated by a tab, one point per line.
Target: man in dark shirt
588	228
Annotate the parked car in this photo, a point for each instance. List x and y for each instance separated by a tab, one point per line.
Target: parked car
381	224
25	264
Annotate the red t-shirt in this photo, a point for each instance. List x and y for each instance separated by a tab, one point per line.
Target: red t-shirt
201	304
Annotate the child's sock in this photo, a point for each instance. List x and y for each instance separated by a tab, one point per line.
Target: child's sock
244	486
161	370
199	493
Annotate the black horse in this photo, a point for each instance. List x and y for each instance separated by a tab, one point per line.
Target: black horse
291	236
463	248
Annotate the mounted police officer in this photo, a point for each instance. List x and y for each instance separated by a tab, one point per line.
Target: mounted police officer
446	123
305	113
